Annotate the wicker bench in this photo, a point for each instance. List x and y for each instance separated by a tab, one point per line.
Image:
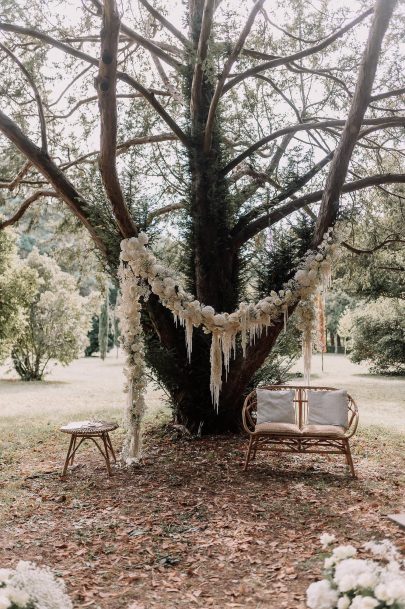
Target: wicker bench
298	438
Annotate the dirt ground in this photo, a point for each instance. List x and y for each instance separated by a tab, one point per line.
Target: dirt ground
188	528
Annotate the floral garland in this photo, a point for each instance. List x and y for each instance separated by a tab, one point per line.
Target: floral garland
129	311
141	273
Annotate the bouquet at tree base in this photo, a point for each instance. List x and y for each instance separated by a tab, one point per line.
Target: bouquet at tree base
31	587
357	583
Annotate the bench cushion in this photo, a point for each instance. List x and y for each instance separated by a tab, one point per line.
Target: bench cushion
323	430
287	429
275	406
328	408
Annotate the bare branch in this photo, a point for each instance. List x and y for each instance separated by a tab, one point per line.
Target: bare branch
361	98
287	192
387	242
165	22
300	202
386	94
26	204
106	89
273	63
49	170
144	42
225	73
202	50
166	81
20	175
92	60
94	98
44	142
162	211
380	123
121	148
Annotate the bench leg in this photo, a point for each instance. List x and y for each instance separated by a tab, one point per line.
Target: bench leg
349	459
249	451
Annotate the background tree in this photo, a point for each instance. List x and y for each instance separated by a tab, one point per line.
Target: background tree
58	320
377	335
226	127
104	324
17	287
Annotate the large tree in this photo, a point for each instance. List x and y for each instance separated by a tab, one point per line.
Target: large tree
222	119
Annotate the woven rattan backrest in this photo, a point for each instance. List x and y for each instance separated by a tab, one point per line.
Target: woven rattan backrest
300	404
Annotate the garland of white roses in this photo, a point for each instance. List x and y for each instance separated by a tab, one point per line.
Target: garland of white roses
141	273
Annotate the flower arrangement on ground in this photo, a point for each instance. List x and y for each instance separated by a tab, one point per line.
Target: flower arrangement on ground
357	583
31	587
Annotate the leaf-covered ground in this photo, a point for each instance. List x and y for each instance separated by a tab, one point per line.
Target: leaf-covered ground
189	528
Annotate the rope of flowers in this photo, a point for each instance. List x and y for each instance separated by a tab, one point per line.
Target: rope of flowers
141	273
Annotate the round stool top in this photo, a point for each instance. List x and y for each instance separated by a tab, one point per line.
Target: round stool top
89	427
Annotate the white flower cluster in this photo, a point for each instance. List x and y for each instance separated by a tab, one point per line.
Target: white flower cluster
31	587
249	319
129	311
354	583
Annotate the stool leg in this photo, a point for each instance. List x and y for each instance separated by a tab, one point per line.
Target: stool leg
73	450
110	446
107	456
72	439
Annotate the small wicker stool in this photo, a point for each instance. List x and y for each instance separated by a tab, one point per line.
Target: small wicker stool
89	430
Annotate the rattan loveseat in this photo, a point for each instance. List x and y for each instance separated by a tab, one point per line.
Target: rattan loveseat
300	437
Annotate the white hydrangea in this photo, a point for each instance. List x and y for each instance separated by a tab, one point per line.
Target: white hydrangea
353	573
344	602
364	602
326	539
320	595
382	549
30	586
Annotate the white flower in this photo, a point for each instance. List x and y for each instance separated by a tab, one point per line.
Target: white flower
320	595
347	583
343	602
18	597
353	573
342	552
383	549
143	238
5	602
364	602
326	539
5	574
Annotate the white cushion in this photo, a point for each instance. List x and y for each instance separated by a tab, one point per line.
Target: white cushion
275	406
328	408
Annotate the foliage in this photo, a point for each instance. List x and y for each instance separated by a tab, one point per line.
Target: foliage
17	287
377	335
57	320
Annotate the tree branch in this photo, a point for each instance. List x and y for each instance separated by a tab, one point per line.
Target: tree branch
386	94
276	215
202	50
122	148
144	42
106	89
44	142
322	124
26	204
361	98
225	73
9	27
165	22
273	63
47	167
387	241
286	193
162	211
20	175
